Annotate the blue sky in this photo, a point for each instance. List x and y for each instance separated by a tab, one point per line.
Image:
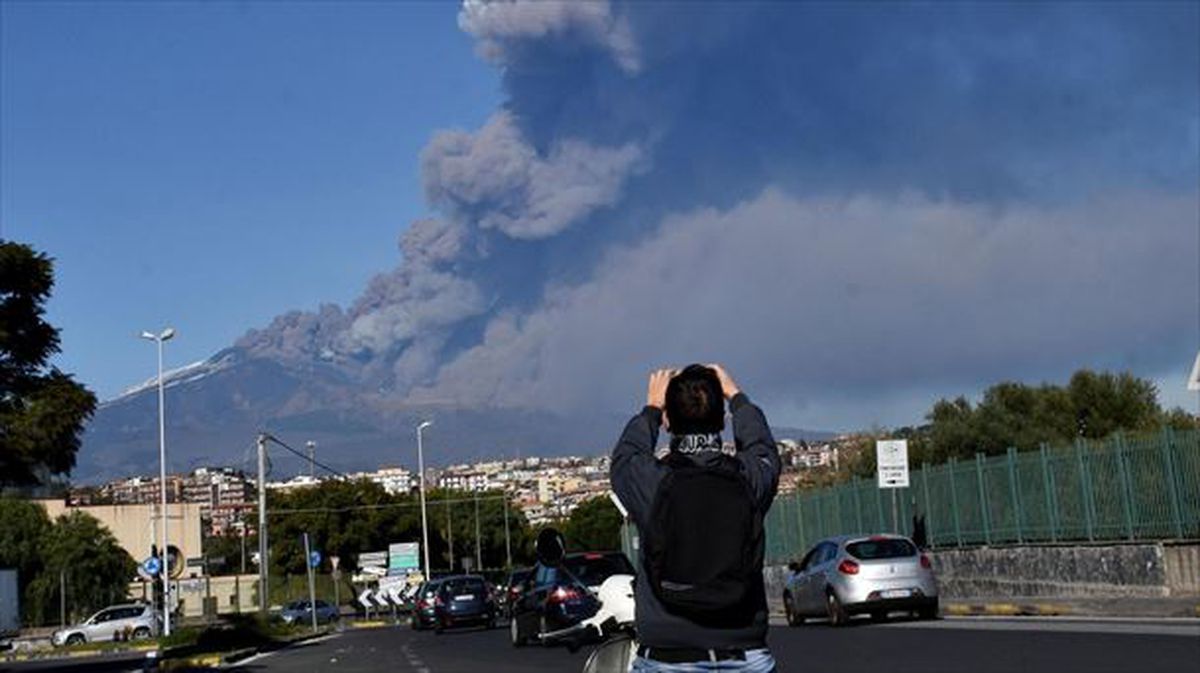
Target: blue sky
879	204
209	166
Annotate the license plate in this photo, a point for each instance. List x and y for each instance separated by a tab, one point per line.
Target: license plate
896	593
464	597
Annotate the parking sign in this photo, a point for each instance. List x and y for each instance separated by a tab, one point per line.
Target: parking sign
891	459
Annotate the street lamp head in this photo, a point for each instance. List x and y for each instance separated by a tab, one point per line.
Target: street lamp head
148	335
168	333
424	424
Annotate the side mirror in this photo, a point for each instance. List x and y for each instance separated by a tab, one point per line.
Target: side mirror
550	547
794	567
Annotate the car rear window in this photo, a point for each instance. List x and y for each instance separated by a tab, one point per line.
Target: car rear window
593	569
870	550
464	586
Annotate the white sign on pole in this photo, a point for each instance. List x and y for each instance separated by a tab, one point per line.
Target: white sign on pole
403	558
891	457
374	559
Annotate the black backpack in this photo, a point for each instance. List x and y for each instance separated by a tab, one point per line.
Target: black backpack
703	547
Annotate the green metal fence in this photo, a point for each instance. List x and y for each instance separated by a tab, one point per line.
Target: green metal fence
1144	488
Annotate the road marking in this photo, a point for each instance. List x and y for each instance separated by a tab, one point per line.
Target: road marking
264	655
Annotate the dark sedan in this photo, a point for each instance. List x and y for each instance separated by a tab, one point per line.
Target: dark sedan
463	600
556	598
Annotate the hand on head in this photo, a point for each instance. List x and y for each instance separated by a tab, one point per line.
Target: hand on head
656	392
728	386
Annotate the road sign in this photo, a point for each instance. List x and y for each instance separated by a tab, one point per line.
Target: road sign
333	561
373	559
381	599
195	562
152	566
365	599
403	557
891	458
314	559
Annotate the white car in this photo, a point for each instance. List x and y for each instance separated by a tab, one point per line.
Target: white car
136	621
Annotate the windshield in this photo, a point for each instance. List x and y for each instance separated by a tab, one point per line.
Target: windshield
870	550
593	569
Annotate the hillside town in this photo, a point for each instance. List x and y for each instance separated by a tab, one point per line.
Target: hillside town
544	489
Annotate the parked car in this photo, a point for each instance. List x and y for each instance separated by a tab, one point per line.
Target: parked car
423	613
133	621
300	612
463	600
510	591
855	574
555	598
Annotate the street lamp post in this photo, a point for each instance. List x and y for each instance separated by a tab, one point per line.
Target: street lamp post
424	515
159	339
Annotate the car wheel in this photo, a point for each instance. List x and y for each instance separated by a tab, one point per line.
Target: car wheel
879	616
491	622
141	633
789	611
837	613
514	633
75	639
439	628
928	612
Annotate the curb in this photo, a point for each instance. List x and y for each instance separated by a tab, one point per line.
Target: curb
374	624
1006	610
51	654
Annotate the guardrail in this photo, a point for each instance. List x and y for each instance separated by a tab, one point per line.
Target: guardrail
1122	488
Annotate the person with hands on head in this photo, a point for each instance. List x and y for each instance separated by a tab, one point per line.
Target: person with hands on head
699	506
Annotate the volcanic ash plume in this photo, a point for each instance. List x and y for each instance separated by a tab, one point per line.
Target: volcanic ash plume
852	201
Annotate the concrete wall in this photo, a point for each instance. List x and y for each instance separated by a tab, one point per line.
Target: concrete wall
232	594
135	526
1098	571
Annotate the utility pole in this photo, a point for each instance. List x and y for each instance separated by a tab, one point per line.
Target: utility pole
450	534
312	459
62	597
424	517
508	540
312	588
262	523
478	550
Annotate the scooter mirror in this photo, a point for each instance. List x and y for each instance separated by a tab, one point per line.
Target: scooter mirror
550	547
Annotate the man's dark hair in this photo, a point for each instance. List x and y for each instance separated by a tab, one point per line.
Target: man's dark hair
695	402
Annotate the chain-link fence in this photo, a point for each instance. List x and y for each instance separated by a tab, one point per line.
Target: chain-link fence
1144	488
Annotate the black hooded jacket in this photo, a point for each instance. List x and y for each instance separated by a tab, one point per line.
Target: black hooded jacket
635	476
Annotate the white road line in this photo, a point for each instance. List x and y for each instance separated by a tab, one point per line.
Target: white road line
264	655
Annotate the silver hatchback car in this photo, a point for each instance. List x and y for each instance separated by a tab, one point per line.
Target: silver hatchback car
117	622
855	574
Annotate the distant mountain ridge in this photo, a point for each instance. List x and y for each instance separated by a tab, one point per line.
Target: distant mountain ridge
216	407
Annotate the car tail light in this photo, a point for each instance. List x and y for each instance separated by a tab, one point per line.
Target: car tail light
562	595
925	563
848	567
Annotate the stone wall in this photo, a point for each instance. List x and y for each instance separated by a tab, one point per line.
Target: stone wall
1086	571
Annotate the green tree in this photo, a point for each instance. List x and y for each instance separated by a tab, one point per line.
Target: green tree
348	518
96	570
594	525
23	529
1011	414
42	410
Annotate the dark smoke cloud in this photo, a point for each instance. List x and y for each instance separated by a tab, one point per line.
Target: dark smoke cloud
844	201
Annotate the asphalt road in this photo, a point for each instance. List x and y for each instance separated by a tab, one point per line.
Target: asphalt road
978	645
